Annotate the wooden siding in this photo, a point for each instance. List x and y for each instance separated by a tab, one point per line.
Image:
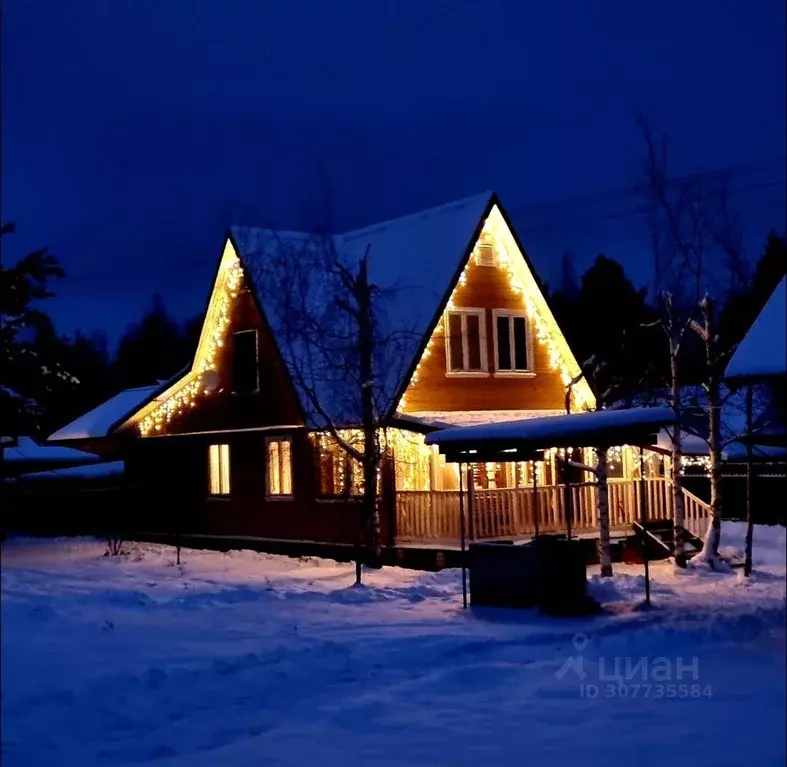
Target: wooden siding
172	476
487	288
274	403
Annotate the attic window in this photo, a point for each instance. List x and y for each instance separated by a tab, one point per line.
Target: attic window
245	367
485	254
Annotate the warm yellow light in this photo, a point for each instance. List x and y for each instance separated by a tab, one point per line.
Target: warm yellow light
184	392
495	233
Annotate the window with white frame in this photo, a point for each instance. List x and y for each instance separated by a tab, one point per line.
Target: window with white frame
512	346
219	470
465	341
278	455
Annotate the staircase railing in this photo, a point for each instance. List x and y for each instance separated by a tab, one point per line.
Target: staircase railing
698	514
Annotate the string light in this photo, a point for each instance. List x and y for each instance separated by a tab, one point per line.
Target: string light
183	395
496	236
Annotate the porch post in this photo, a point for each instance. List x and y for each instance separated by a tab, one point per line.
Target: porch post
569	509
462	537
644	519
470	502
535	500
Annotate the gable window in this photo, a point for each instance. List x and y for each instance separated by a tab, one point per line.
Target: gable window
245	364
278	454
465	341
512	347
219	470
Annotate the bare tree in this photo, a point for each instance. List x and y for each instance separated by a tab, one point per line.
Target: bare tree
608	388
342	349
695	240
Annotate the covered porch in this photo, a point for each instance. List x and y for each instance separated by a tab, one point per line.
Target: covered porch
434	515
506	497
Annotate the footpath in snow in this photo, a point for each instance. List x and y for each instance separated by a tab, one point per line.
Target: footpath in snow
249	659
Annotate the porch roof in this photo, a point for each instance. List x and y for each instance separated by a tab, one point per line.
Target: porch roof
524	439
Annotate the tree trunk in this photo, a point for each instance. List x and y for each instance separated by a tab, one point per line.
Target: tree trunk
604	555
747	563
678	506
710	548
371	451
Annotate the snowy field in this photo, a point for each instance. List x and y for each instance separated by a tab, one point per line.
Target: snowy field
248	659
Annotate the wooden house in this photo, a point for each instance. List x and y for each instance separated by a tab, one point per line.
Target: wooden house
229	447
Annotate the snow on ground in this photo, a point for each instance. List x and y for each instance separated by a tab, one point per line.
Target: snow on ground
249	659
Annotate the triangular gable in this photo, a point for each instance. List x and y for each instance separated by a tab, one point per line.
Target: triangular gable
494	228
188	388
199	379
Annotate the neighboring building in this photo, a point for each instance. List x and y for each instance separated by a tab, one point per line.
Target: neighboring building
230	447
24	454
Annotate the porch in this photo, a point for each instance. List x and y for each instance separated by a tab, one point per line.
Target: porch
519	512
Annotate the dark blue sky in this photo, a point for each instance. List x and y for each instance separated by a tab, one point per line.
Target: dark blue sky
134	130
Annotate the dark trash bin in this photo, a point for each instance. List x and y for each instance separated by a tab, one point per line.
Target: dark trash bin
548	572
503	575
562	575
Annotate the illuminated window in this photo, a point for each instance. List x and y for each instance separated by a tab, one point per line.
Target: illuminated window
512	352
340	475
245	364
465	341
278	452
219	469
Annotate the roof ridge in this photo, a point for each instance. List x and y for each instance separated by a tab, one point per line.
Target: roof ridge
423	212
361	230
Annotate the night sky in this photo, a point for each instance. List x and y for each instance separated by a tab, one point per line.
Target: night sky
134	131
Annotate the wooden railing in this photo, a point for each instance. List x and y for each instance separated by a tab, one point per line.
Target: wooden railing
511	512
697	514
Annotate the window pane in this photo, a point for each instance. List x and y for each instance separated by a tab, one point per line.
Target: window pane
244	362
224	452
214	481
455	342
274	485
286	468
473	342
503	344
520	344
219	469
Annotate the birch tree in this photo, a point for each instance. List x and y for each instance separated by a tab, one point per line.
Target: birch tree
695	242
610	390
341	348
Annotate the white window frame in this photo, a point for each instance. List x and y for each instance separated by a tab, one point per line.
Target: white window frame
224	467
464	312
529	373
256	389
278	496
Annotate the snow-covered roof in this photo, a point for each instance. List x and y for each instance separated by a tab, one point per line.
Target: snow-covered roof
98	421
555	430
94	471
442	419
27	449
414	258
763	351
691	444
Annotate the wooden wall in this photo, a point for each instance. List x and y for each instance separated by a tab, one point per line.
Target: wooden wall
486	287
276	401
172	474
